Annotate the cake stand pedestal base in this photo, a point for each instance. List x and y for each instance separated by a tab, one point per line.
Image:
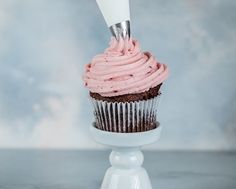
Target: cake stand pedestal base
126	171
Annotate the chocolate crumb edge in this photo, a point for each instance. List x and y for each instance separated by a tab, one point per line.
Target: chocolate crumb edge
151	93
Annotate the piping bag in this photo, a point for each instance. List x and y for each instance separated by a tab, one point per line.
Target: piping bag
117	16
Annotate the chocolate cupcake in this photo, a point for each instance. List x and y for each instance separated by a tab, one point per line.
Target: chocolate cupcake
124	85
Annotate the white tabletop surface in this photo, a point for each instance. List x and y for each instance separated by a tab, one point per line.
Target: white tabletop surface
74	169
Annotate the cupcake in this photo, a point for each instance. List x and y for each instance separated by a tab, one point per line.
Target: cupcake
124	85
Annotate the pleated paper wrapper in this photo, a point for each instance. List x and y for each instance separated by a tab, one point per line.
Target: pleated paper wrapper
126	117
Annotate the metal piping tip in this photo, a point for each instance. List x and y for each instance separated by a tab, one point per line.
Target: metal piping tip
121	29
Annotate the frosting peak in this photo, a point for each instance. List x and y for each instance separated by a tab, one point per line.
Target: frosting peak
123	69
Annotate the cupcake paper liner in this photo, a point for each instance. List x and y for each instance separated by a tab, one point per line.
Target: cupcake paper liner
126	117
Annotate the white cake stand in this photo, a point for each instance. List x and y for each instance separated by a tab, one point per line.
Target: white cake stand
126	158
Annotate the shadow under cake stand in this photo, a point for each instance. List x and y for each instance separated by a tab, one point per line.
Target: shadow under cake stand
126	158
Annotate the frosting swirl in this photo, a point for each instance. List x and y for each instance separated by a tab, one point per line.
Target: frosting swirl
123	69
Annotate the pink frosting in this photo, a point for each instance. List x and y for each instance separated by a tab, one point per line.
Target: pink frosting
123	69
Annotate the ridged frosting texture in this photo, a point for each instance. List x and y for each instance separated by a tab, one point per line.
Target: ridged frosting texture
123	69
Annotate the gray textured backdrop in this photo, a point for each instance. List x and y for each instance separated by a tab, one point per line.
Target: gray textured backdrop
45	44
